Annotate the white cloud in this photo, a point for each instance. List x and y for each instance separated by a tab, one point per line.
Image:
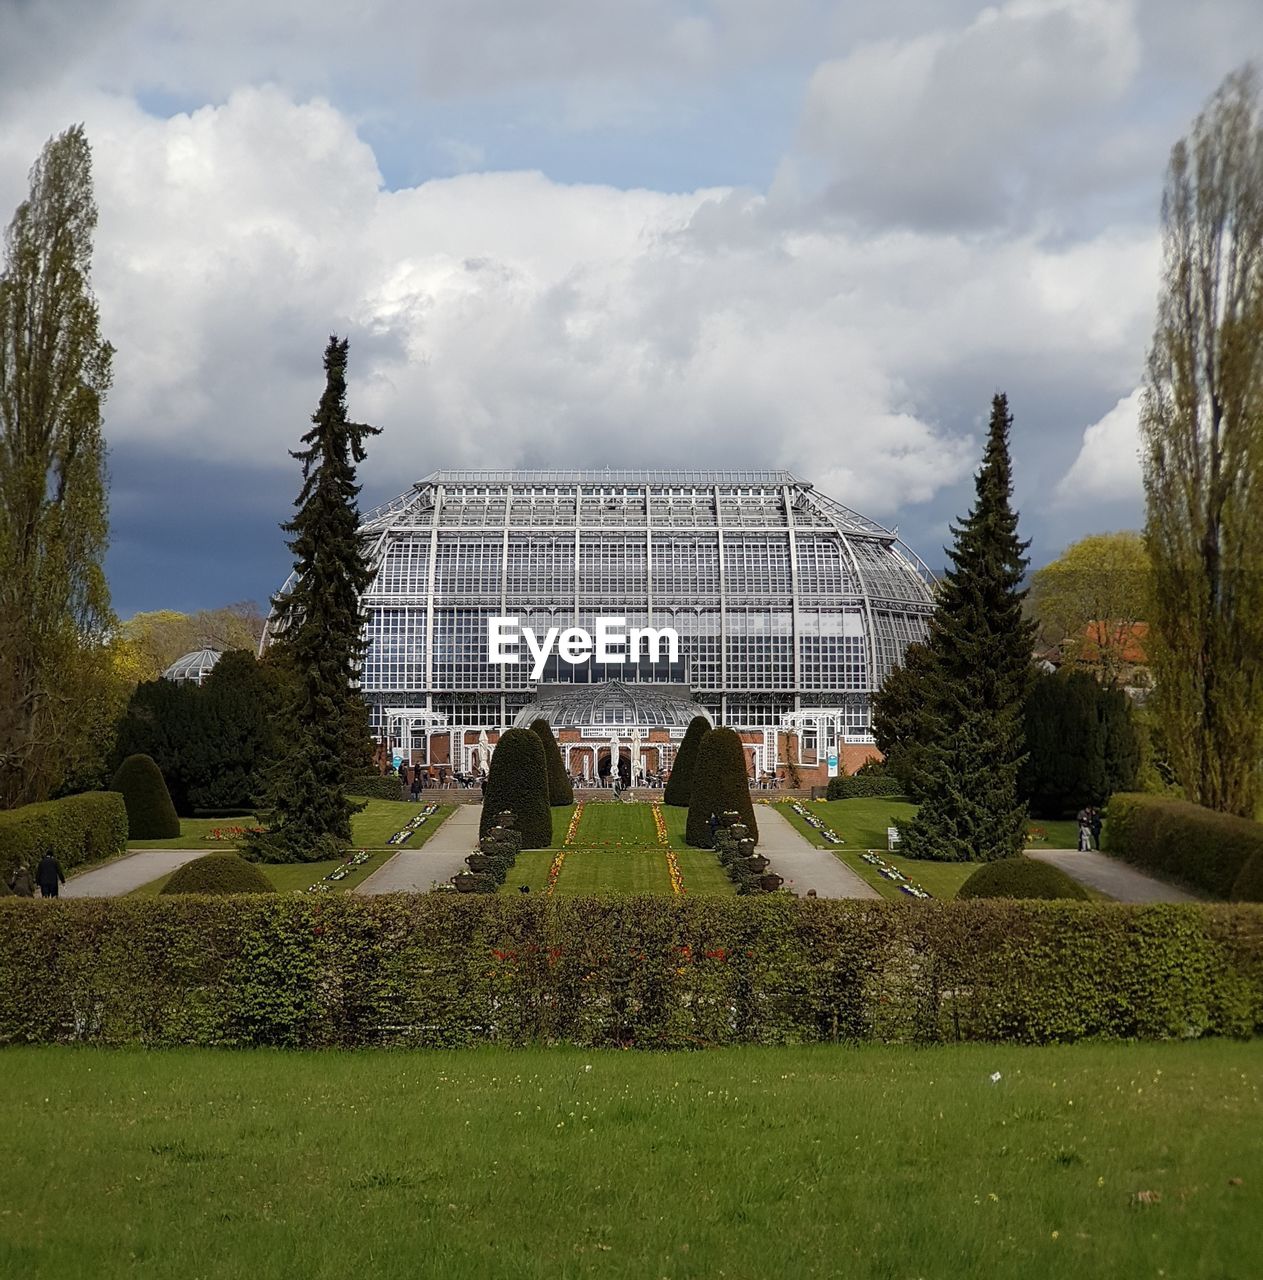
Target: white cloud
503	318
950	127
1108	466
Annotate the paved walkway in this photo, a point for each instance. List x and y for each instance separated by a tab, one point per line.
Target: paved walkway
1110	876
442	855
801	864
122	876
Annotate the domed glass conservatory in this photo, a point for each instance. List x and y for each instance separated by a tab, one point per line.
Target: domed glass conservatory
789	607
192	668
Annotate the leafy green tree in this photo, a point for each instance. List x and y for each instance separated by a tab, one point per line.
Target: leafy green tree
559	789
319	625
680	784
1202	428
899	719
55	617
1089	602
978	672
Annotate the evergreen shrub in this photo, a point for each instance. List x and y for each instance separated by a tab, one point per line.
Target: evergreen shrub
559	789
720	783
150	813
78	829
1249	884
218	873
518	781
376	786
1200	847
449	970
1020	878
860	786
679	788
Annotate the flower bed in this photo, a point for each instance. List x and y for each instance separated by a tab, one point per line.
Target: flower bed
676	876
554	872
910	887
816	824
233	833
406	834
573	829
660	825
340	872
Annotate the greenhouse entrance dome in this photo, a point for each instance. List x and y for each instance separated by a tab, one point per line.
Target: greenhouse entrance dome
790	609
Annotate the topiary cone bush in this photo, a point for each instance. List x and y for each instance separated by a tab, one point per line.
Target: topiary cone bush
680	783
518	780
719	784
559	789
1020	878
218	873
150	813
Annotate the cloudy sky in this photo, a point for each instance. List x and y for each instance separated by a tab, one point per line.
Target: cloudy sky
615	232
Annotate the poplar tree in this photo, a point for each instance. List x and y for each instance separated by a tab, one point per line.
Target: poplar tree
319	624
976	677
1202	431
55	614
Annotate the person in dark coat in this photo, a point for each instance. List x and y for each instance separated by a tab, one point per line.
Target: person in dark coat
21	883
1095	823
49	875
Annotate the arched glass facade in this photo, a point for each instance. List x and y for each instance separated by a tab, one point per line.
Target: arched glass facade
783	598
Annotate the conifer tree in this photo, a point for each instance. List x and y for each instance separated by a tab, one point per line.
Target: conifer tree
978	673
559	789
319	623
679	786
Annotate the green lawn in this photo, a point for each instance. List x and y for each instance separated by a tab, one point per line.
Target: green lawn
290	876
370	829
1091	1160
612	824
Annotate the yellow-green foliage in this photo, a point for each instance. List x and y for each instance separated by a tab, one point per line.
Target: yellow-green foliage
77	829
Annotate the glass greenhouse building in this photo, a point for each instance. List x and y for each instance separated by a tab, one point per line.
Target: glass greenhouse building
790	610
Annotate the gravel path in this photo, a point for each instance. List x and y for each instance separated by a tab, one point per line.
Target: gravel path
442	855
802	865
117	878
1109	876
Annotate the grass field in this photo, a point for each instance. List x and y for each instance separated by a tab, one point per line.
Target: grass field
616	851
293	876
370	829
862	824
1091	1160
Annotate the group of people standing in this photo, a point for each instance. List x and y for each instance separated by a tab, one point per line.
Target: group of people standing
48	878
1090	821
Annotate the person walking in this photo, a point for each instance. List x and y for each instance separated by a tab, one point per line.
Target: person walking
21	883
416	786
49	875
1096	822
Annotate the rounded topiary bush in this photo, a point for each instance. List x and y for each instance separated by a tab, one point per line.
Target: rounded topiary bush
218	873
559	789
1249	884
1020	878
150	813
518	780
680	784
720	783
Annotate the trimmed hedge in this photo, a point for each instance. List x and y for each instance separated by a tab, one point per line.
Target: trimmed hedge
1021	878
559	789
77	829
446	970
1249	884
679	788
518	781
150	813
218	873
861	786
376	786
720	784
1201	848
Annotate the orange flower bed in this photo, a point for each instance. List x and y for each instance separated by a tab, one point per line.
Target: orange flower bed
554	872
661	824
673	870
573	828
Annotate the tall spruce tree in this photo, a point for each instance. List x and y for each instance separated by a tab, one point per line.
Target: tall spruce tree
319	623
54	374
978	673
